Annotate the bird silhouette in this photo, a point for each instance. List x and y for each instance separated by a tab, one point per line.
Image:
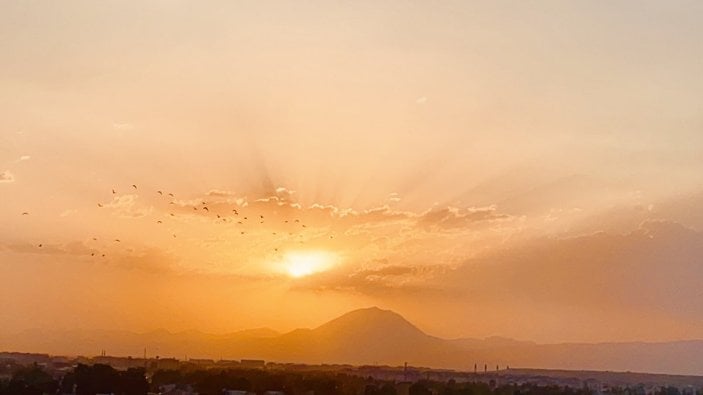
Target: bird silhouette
95	238
218	215
171	214
134	186
235	212
159	222
170	194
117	240
92	254
174	236
100	205
40	245
25	213
261	216
159	192
297	220
242	232
114	192
206	209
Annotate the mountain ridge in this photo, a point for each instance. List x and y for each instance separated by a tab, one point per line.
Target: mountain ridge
370	336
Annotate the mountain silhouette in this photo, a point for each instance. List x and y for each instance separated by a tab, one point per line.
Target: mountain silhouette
369	336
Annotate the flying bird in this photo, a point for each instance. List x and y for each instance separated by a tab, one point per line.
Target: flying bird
25	213
117	240
170	194
159	222
114	192
206	209
235	212
40	245
159	192
134	186
171	214
261	216
100	205
95	238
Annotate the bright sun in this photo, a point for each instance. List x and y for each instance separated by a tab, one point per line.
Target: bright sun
304	263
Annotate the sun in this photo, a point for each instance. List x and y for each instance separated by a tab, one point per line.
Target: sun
304	263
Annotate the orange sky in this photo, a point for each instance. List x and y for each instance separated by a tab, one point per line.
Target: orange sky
495	168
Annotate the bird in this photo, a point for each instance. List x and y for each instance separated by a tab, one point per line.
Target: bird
218	216
171	214
245	217
235	212
206	209
261	216
195	208
239	222
174	236
159	192
117	240
242	232
92	254
114	192
100	205
275	249
134	186
159	222
95	238
297	220
286	221
25	213
171	203
40	245
170	194
103	255
304	226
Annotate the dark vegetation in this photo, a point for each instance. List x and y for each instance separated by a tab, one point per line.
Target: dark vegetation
103	379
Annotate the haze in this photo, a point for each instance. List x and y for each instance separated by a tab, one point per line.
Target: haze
530	170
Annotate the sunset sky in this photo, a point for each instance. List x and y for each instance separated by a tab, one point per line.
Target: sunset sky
524	169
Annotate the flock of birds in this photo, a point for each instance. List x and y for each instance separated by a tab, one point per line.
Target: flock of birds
203	208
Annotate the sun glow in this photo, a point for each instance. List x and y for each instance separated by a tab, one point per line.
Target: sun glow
304	263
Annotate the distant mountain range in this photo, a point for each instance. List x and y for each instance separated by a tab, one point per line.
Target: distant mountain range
365	337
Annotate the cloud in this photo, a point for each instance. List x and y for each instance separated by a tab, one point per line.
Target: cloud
383	279
655	267
122	126
454	217
6	177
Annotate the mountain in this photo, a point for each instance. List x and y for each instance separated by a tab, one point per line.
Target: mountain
370	336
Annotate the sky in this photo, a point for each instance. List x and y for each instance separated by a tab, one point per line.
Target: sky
522	169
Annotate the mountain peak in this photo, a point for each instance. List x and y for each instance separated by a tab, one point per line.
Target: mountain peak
370	321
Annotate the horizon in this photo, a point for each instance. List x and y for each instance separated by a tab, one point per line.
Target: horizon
526	171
